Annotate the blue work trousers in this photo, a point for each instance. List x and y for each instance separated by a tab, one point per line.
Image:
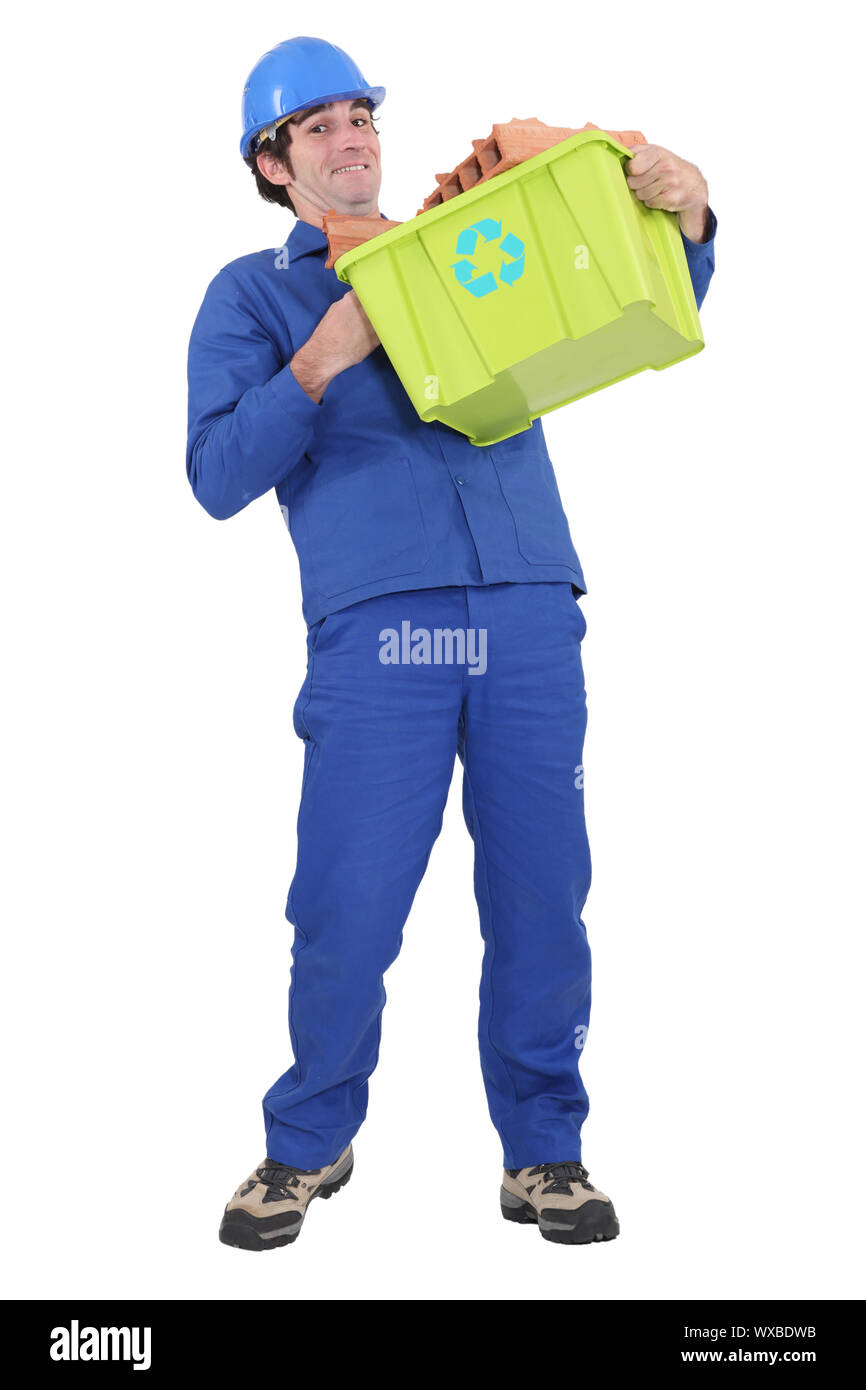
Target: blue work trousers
382	719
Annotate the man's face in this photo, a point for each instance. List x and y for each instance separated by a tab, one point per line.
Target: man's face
325	142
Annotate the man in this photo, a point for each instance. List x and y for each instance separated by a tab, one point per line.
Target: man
407	534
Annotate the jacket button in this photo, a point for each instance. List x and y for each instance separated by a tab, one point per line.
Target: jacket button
460	480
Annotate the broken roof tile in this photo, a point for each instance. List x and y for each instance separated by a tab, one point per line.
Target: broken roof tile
507	145
345	231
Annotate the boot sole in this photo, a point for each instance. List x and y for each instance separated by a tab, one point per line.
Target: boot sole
245	1232
594	1221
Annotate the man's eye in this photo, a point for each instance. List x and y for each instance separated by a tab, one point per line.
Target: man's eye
320	126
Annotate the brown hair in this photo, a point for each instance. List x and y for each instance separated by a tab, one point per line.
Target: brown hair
279	146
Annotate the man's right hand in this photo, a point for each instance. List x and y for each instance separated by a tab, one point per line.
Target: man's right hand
344	336
354	330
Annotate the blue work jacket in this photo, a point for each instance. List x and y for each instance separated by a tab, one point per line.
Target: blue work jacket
375	499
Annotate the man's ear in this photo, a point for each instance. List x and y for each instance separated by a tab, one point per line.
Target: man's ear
271	169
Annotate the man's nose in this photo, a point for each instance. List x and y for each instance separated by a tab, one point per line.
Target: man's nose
352	138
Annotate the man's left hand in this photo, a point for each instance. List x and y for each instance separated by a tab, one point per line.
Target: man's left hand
662	180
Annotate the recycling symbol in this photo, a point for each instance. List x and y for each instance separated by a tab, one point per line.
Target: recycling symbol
509	270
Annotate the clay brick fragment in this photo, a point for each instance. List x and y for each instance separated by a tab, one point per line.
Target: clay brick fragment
345	231
507	145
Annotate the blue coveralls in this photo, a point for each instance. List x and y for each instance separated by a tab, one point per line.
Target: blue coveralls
404	529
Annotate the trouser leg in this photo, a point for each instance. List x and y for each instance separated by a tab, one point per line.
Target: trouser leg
521	744
380	749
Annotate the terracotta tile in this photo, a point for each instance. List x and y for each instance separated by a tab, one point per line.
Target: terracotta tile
627	137
487	153
449	187
345	231
519	140
507	145
469	173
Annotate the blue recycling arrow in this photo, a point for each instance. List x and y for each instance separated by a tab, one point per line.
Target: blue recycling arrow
509	271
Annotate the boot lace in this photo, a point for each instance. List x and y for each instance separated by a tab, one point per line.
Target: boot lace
560	1176
280	1178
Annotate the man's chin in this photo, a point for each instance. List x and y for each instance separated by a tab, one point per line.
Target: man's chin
362	205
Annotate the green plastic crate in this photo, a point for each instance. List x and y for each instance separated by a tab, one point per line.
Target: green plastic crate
548	282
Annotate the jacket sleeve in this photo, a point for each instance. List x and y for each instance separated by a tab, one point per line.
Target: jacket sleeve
249	422
701	260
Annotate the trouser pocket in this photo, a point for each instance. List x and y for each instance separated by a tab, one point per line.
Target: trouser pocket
305	691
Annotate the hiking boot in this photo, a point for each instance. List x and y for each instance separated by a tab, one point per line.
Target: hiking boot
268	1209
559	1198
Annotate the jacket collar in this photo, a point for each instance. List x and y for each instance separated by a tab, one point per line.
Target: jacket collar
304	239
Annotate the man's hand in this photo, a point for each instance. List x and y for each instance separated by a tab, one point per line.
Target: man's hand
344	336
352	330
662	180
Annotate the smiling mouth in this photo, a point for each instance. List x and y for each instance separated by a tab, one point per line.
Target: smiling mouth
351	169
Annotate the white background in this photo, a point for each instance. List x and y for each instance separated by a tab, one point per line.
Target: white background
151	772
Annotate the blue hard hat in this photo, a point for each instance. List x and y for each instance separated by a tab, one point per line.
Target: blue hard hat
297	74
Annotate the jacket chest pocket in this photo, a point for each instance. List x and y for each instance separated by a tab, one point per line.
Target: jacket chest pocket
528	485
364	525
